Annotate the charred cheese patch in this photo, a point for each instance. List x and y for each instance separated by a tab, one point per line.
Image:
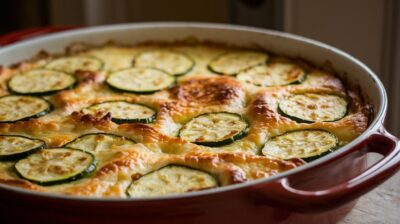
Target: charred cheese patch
209	91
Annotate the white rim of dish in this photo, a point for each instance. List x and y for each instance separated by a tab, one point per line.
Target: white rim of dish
374	126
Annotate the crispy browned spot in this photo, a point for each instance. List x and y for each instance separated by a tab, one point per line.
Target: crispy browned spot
88	76
261	109
21	183
87	121
208	90
136	176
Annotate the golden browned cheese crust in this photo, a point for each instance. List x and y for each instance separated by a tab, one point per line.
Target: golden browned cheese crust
200	91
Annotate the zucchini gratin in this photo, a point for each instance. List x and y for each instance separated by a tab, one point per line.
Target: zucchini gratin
158	119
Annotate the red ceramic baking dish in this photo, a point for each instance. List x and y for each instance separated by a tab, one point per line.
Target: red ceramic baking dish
322	191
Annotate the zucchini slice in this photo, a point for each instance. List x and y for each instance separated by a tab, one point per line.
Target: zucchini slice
41	81
72	64
98	142
171	179
140	80
17	108
214	129
123	112
311	107
304	144
273	74
172	62
235	62
56	166
14	147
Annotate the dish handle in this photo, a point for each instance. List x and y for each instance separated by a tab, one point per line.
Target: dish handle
284	194
19	35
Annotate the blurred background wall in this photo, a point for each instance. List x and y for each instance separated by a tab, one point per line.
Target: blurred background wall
367	29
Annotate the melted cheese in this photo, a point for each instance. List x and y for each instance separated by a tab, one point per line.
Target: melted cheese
200	91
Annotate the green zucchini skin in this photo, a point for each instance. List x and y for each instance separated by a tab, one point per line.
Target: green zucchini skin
224	142
24	154
298	120
37	115
312	157
43	93
89	169
147	120
227	141
143	120
142	92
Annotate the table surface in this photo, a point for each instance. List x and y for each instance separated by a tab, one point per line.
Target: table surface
380	206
